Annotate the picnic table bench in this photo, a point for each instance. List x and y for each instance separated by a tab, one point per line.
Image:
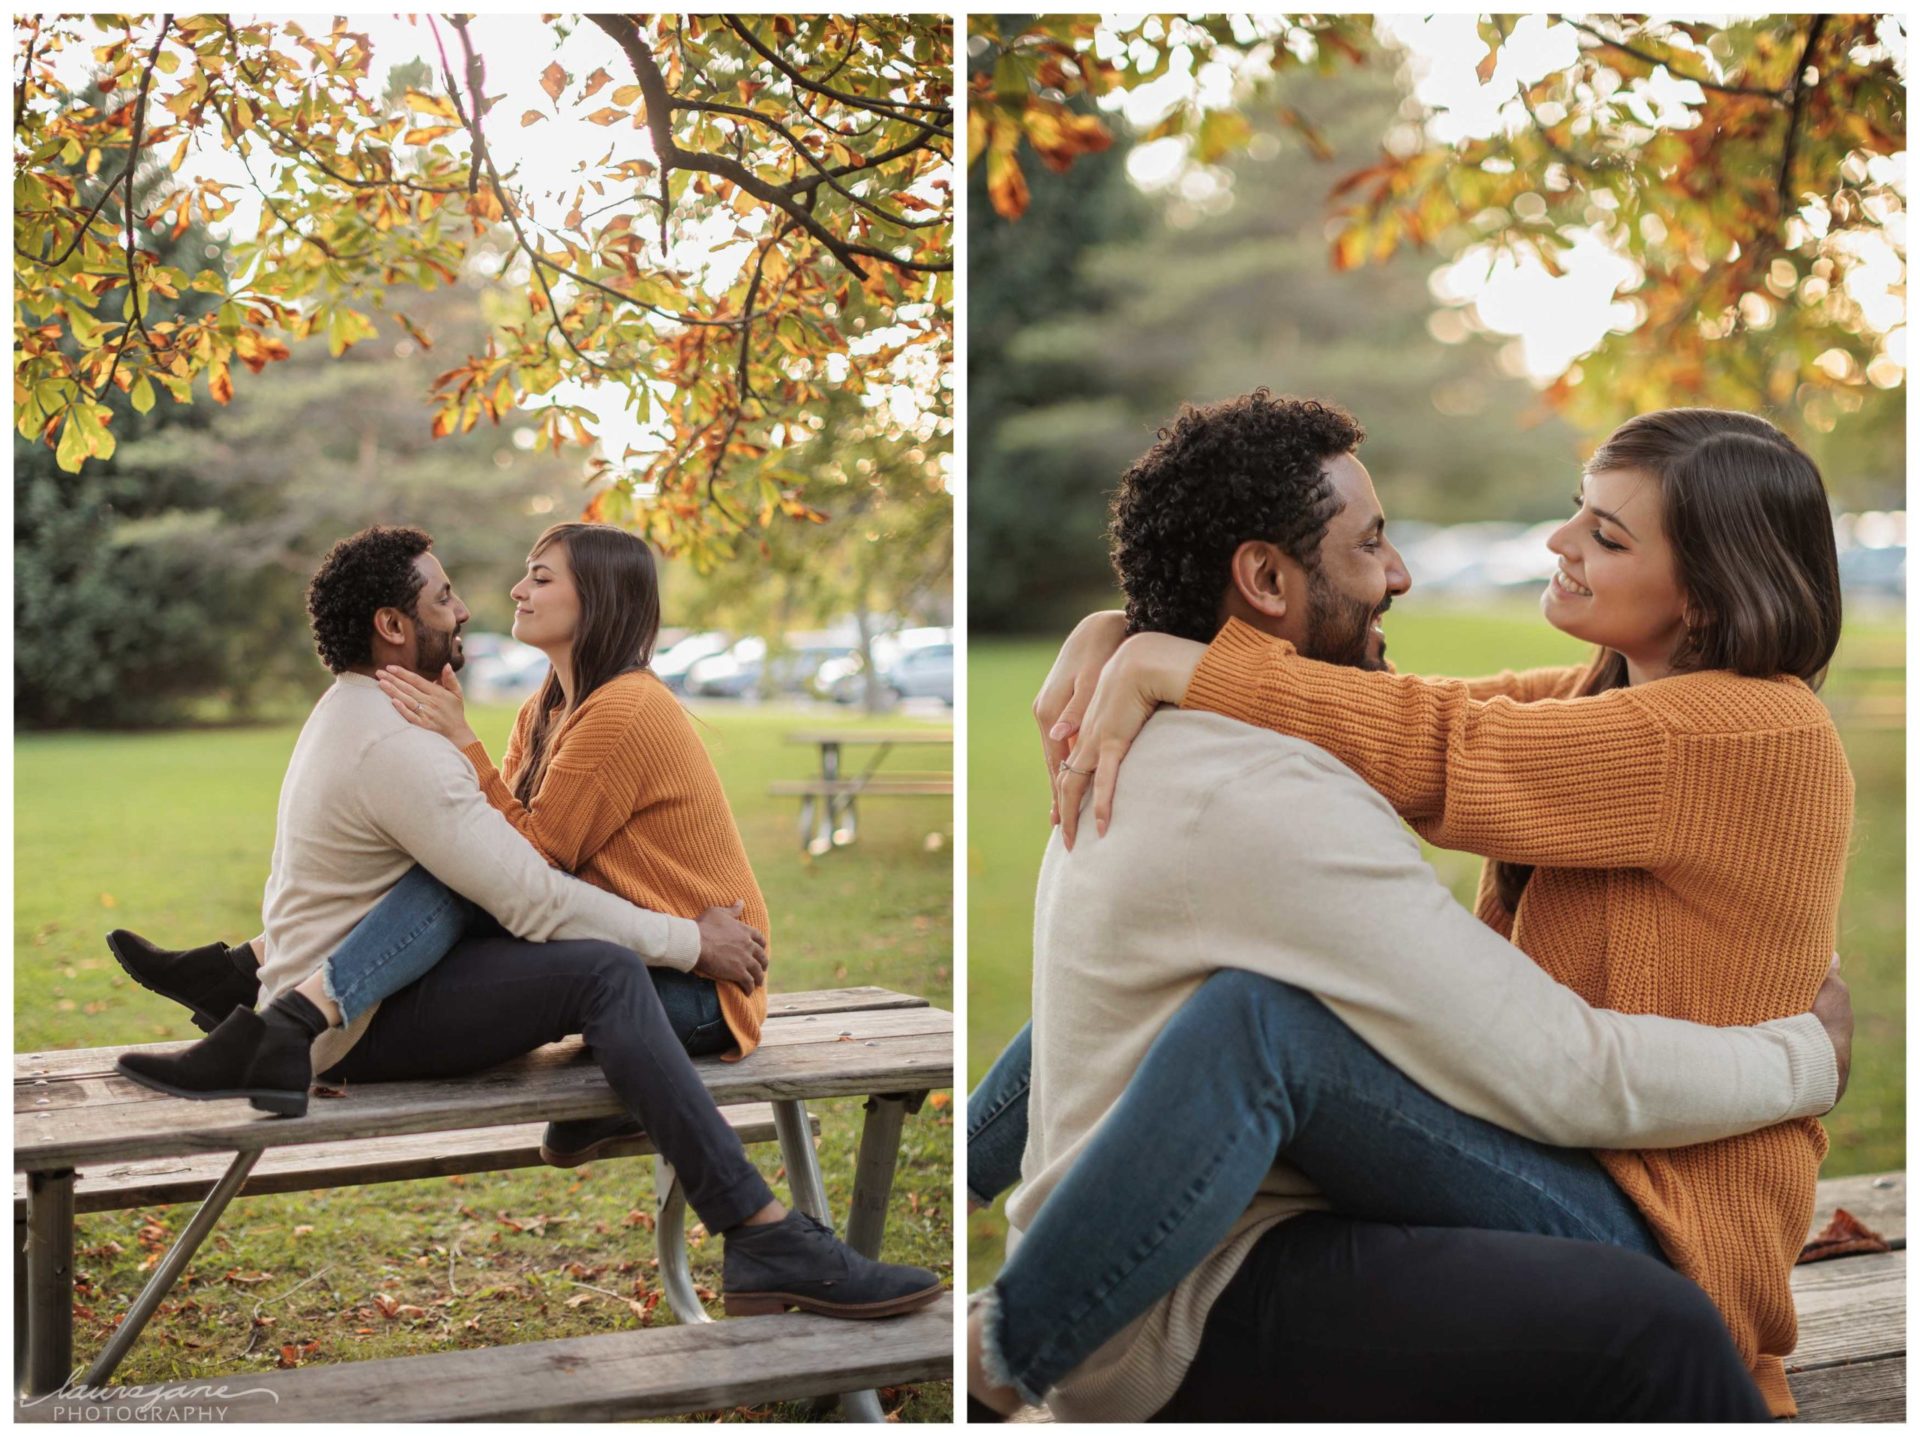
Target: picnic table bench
827	804
1851	1361
87	1140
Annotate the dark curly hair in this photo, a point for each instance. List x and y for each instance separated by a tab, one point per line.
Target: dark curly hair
362	574
1219	476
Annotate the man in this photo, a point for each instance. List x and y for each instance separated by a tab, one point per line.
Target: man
368	796
1251	857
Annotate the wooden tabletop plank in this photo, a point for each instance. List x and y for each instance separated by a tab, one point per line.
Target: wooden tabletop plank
1851	1309
113	1187
1878	1199
650	1372
67	1122
70	1062
851	736
1873	1391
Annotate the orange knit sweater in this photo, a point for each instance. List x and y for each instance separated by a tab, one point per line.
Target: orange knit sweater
1691	838
631	803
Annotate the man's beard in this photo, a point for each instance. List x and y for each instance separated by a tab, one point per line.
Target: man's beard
1339	629
434	650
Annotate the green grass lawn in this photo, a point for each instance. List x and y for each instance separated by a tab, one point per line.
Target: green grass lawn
170	834
1007	820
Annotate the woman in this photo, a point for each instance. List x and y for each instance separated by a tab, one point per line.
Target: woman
605	777
1666	827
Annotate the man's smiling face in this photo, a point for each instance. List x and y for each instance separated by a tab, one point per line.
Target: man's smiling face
1358	575
438	617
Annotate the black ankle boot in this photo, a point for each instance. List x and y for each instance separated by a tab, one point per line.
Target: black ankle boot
204	979
244	1057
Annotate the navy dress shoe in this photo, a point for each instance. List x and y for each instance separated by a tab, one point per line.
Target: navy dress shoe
798	1262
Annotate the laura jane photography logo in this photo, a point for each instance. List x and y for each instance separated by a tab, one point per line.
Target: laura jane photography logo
185	1402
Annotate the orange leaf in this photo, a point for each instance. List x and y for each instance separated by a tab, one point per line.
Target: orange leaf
531	117
1006	186
940	1100
607	116
220	383
553	80
595	82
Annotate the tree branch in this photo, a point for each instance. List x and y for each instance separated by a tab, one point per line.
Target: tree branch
659	102
26	78
826	176
1783	187
1651	59
859	102
132	224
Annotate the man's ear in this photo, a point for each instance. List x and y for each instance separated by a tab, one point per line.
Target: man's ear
1259	579
390	624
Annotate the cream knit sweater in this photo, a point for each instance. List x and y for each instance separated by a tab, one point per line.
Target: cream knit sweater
1232	847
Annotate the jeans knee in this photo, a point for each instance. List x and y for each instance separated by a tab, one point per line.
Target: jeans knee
1271	1020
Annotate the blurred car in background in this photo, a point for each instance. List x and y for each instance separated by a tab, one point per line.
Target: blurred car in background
743	671
500	669
671	663
911	663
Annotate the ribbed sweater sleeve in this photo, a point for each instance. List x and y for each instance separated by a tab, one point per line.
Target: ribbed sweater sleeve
1527	686
1346	908
1580	783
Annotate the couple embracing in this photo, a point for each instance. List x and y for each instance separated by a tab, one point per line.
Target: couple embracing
1298	1137
429	915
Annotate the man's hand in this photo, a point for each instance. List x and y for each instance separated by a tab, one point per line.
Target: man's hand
731	951
1834	1008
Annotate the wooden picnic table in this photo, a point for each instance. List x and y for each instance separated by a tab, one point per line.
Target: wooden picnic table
828	816
86	1139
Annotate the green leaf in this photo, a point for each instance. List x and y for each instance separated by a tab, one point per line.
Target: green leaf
141	395
72	450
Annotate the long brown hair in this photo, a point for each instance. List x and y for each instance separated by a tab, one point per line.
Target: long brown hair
1746	512
614	574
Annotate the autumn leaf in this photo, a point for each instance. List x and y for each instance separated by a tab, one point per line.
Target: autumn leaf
553	80
595	82
1006	186
531	117
220	384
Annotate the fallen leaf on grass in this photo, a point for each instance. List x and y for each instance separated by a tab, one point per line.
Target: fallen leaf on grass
580	1299
939	1100
247	1279
303	1229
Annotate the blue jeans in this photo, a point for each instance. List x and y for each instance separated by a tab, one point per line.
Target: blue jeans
420	919
1249	1069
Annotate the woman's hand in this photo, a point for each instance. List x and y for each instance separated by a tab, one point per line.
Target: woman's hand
440	706
1069	688
1833	1006
1145	671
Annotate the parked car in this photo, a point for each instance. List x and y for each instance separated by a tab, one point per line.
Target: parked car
500	669
924	673
844	680
672	663
737	672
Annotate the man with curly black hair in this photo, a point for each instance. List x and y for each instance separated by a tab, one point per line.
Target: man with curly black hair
1256	508
1260	1019
369	584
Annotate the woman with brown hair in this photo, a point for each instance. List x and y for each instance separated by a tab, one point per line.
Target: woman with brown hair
1666	829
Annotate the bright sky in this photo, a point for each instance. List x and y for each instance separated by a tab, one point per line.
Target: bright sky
1554	320
543	158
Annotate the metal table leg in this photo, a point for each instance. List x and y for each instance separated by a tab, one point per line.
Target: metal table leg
171	1266
873	1172
670	1242
810	1196
49	1281
824	815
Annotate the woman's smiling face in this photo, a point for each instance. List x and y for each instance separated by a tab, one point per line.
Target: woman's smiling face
546	605
1618	584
